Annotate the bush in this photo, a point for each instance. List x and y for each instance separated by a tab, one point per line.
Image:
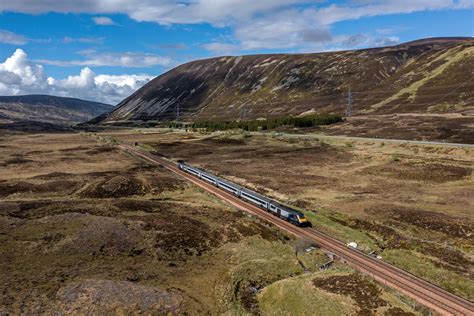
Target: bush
114	142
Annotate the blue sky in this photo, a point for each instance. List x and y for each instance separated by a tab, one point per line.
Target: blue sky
104	50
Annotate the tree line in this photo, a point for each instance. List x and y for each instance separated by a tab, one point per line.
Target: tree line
268	124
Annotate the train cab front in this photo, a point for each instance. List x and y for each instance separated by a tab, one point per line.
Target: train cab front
181	164
303	221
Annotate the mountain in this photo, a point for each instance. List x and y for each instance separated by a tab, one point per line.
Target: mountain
424	76
49	109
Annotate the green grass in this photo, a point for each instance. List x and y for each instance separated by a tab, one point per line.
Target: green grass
297	296
449	57
420	266
322	221
312	260
395	157
146	147
255	260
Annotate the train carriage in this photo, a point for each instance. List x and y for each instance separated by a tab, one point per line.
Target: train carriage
293	216
255	198
229	187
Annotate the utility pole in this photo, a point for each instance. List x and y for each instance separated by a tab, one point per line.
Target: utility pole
349	102
177	113
242	113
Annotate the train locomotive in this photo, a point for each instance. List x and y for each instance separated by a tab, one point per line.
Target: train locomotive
293	216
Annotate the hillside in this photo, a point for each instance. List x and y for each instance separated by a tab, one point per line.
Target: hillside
426	76
48	109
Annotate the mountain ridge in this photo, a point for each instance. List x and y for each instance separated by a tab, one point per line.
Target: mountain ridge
49	109
405	78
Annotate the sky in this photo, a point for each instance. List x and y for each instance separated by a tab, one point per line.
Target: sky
104	50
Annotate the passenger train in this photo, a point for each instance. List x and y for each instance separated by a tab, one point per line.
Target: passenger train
293	216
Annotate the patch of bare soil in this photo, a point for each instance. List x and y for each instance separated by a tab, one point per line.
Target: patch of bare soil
141	167
183	237
73	149
102	236
52	175
102	150
148	206
16	160
449	259
178	237
166	182
421	171
224	141
38	152
255	228
39	208
114	187
104	296
7	189
364	292
440	222
247	293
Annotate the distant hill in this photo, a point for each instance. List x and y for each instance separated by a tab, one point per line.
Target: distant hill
429	76
49	109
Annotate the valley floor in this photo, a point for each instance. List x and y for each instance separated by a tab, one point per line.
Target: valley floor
412	204
85	228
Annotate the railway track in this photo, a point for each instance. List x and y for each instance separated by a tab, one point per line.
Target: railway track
420	290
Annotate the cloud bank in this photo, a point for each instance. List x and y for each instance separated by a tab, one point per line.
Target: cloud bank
19	75
8	37
103	20
127	59
269	24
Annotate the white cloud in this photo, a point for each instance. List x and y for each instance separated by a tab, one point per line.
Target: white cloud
18	75
363	40
221	48
87	40
133	81
256	23
160	11
103	20
127	59
337	13
220	12
8	37
287	29
17	72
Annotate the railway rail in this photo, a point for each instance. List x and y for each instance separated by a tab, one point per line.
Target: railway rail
422	291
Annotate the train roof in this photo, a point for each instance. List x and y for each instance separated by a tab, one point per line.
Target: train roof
287	208
218	178
229	183
248	191
256	194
